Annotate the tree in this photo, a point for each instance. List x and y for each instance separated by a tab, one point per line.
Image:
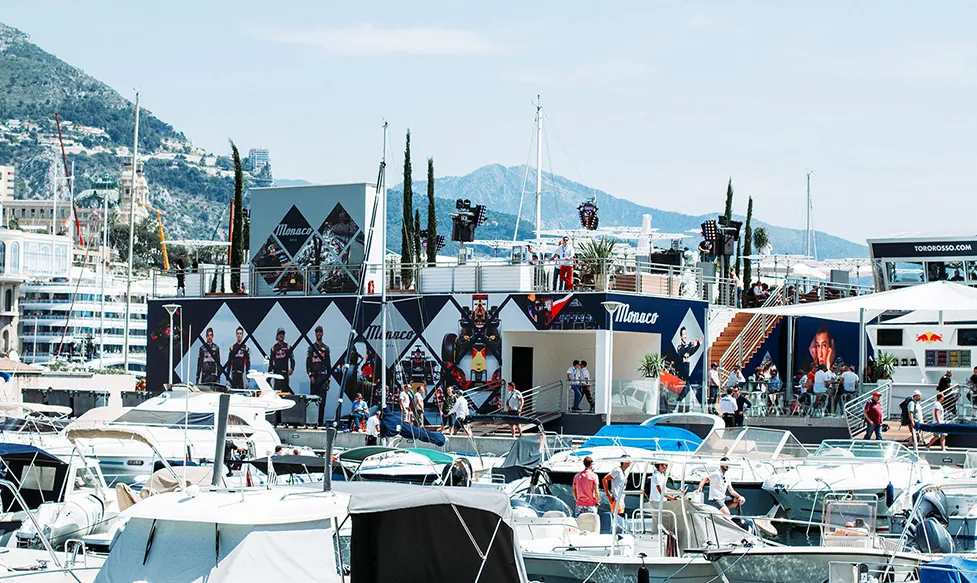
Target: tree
147	252
748	244
729	200
417	235
407	238
237	222
432	217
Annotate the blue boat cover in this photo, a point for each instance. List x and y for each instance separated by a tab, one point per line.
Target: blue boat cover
650	437
950	569
952	428
390	421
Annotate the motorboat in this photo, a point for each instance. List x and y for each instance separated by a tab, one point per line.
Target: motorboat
66	495
32	423
883	470
848	537
753	454
181	423
318	532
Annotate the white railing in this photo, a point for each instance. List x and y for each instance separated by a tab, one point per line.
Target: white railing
751	336
854	417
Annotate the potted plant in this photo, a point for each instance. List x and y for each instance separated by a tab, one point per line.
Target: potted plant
885	365
596	258
651	367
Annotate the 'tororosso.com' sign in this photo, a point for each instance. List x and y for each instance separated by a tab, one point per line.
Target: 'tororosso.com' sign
909	249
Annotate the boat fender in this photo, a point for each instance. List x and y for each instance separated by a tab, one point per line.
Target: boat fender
644	576
890	494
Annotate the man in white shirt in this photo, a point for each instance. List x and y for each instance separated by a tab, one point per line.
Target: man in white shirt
406	401
939	416
614	488
563	256
373	428
849	384
573	379
583	377
721	492
714	382
727	408
821	380
658	480
460	411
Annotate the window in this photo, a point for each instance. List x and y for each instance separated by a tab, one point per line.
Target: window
23	212
967	337
936	271
902	272
3	253
8	300
15	257
955	271
889	337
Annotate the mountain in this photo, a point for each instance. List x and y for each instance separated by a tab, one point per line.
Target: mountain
500	187
191	186
291	182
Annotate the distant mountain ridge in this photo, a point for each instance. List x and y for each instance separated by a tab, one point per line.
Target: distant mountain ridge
500	188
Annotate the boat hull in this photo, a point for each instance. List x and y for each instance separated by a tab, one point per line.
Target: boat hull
570	568
802	564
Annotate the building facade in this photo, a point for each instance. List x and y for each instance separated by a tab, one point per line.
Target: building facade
259	157
130	192
7	174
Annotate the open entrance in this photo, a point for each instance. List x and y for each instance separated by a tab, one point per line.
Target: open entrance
522	371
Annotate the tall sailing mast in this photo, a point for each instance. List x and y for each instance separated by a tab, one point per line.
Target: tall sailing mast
132	224
539	169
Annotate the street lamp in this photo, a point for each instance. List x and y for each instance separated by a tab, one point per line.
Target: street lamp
171	309
611	307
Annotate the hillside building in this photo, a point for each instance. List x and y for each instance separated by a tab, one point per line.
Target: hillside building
259	157
129	192
7	174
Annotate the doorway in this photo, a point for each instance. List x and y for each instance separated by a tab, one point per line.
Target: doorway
522	372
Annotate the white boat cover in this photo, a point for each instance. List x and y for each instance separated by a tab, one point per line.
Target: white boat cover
370	497
926	299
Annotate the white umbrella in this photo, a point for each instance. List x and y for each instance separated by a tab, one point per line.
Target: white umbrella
802	270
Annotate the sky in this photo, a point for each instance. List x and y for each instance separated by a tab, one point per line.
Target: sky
657	102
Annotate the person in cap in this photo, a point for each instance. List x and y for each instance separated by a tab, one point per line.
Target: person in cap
281	361
873	417
318	365
721	492
614	483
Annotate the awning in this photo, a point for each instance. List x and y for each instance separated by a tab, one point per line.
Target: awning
926	299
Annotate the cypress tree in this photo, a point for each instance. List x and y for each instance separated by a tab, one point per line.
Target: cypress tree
432	219
237	222
729	200
407	238
748	244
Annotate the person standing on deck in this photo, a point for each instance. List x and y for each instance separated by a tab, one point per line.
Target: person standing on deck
585	489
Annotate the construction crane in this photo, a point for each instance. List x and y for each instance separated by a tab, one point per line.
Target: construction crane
162	235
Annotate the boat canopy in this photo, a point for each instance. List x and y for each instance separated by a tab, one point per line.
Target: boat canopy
754	443
95	430
858	449
392	425
38	475
167	419
474	522
649	437
525	455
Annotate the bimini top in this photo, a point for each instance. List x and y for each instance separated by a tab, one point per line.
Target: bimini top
649	437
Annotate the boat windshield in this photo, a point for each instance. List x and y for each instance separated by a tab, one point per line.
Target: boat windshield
540	503
751	443
849	517
865	450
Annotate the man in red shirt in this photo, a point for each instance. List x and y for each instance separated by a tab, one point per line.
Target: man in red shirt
873	417
585	490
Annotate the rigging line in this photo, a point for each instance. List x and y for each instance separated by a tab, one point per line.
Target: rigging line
549	126
525	181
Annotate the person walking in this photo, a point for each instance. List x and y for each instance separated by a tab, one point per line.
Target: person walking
873	417
460	414
721	492
713	382
318	365
614	490
914	418
742	404
181	275
373	427
939	416
513	405
585	388
450	396
586	493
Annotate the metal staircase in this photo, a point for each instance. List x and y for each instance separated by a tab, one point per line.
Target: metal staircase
753	329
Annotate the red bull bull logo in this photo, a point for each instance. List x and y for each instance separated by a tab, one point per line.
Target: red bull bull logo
929	337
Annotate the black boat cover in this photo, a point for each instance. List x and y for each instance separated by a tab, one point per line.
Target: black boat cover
391	422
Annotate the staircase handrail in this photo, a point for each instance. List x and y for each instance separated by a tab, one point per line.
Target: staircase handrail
854	407
951	398
752	335
530	397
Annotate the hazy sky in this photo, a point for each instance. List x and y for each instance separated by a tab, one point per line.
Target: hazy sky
657	102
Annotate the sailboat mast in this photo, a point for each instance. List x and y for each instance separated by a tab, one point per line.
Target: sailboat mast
132	224
383	275
807	228
539	169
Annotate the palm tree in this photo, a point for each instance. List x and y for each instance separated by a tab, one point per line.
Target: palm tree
595	256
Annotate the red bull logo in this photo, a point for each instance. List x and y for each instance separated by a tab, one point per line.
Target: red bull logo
929	337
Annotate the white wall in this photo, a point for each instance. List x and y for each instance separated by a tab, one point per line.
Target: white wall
113	383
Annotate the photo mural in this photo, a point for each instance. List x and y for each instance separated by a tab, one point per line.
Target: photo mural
431	340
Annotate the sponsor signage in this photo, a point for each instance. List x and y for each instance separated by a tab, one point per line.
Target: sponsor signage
626	315
909	249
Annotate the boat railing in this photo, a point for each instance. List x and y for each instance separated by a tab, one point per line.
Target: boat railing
855	407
